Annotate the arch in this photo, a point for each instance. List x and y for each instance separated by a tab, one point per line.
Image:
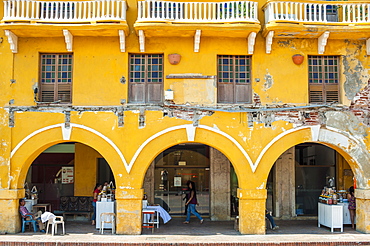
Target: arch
103	145
352	148
190	135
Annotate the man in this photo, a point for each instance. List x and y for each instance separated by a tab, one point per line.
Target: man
24	212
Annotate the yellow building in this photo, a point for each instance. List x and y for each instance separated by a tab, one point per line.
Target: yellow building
236	114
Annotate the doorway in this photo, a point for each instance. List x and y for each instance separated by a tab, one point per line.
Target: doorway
173	168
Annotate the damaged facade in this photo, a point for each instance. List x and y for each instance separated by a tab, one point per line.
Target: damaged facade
103	82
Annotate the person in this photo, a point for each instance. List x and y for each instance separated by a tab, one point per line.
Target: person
352	205
37	216
191	202
269	217
97	190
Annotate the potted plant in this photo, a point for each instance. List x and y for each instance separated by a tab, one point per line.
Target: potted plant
298	59
174	59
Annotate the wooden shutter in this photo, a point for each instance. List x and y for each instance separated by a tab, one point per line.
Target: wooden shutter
146	78
323	79
234	79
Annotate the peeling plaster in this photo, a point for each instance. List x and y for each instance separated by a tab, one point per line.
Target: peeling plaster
346	122
285	43
269	81
354	70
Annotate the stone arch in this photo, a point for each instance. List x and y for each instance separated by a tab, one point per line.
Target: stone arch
168	137
351	147
36	142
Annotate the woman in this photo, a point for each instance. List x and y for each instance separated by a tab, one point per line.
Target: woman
97	189
352	205
191	201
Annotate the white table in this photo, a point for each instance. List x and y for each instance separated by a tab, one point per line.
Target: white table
331	216
163	213
104	207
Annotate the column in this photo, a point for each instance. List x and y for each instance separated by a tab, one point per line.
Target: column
284	185
362	210
252	211
128	211
220	186
9	209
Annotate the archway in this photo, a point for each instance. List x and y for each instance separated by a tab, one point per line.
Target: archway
166	180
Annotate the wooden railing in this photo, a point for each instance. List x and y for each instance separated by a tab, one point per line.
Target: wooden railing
191	12
64	11
318	11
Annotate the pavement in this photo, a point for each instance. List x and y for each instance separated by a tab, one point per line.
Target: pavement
293	232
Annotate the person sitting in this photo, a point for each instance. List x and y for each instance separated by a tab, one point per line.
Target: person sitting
269	217
37	216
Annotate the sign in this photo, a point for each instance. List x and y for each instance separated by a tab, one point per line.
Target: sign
177	181
67	175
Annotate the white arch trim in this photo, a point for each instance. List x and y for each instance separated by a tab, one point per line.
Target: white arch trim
66	136
316	135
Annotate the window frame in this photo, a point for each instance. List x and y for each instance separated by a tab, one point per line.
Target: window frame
151	91
58	75
327	81
230	88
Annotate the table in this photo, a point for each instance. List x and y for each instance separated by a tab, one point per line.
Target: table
45	206
163	213
104	207
331	216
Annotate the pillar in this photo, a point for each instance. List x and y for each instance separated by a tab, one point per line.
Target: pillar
128	211
219	186
252	211
149	183
284	185
362	210
9	210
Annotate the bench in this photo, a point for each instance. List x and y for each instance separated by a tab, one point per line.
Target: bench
76	206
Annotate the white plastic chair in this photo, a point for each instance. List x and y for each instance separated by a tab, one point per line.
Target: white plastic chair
109	218
54	222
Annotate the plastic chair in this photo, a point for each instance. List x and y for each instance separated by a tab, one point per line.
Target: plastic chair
54	224
31	221
108	218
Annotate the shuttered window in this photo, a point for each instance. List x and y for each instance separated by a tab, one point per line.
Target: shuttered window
146	78
56	78
323	79
234	79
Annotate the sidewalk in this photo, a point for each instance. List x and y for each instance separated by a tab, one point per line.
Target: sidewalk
210	233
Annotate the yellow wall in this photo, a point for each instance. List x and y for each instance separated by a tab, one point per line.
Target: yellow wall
98	66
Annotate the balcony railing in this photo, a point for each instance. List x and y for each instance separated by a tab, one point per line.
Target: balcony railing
64	11
190	12
324	12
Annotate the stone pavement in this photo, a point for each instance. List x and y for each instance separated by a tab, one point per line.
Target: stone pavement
296	232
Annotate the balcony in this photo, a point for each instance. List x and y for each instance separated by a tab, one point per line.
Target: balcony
306	19
189	19
28	18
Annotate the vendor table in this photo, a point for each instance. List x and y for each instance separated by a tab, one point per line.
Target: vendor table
163	213
104	207
331	216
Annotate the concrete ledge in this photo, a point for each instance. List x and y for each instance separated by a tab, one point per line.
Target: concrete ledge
11	194
362	194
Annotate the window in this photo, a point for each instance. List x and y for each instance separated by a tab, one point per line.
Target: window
56	78
146	78
234	79
323	75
